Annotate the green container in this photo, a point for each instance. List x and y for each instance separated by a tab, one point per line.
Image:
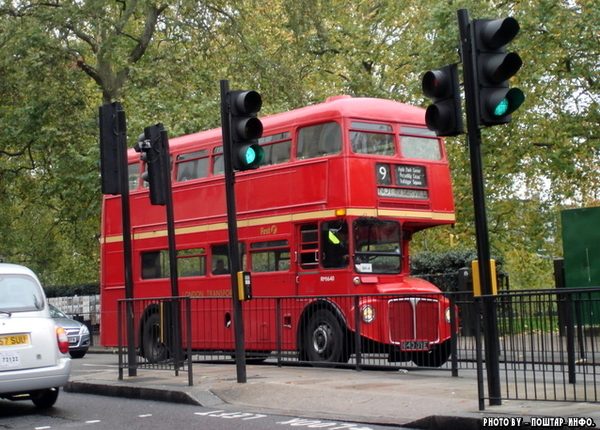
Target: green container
581	251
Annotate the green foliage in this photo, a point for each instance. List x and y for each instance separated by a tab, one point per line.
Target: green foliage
61	60
72	290
443	262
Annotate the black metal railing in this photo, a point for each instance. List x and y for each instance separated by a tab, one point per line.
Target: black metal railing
549	339
550	344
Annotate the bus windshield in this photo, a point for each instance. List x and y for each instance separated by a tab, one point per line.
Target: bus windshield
377	246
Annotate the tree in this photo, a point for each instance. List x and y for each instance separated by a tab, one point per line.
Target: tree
64	58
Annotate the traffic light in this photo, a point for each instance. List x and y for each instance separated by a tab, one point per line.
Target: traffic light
494	67
246	128
112	141
444	116
152	148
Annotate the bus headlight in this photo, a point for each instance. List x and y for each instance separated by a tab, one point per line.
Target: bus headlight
368	313
447	315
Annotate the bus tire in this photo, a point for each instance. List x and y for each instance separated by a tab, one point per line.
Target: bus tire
436	357
153	349
324	339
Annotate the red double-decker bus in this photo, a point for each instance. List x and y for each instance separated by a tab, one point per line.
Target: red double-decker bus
343	187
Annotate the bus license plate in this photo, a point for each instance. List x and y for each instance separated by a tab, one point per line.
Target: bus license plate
414	345
14	339
9	359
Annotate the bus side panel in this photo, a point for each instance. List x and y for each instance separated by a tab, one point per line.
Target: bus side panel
112	287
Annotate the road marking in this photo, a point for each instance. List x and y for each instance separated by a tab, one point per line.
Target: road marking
144	415
208	413
245	416
294	422
92	421
330	425
42	428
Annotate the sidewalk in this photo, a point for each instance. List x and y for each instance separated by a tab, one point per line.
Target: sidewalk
429	399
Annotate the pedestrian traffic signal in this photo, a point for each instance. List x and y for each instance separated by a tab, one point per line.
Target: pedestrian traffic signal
152	148
494	67
444	116
246	128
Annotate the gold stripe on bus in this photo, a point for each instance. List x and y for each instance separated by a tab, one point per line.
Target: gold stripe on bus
217	226
266	220
311	215
361	212
253	222
150	234
445	217
112	239
418	214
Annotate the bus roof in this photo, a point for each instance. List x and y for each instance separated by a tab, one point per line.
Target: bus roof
343	105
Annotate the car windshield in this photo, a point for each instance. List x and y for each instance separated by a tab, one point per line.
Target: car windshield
377	246
20	293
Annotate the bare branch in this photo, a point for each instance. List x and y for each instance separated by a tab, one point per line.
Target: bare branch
90	71
144	41
84	37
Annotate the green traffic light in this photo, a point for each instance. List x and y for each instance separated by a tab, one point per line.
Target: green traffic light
499	104
250	155
501	108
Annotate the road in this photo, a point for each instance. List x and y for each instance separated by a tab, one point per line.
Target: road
74	411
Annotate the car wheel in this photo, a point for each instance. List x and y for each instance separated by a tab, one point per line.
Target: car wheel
77	354
324	339
45	398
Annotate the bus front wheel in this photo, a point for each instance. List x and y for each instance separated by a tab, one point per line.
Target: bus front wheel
324	339
153	348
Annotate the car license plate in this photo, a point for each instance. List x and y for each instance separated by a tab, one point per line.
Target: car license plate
9	359
14	339
414	345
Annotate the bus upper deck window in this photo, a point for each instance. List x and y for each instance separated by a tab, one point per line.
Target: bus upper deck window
319	140
420	143
218	162
192	165
276	148
371	138
133	173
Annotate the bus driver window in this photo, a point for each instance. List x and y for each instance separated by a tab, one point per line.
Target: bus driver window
334	238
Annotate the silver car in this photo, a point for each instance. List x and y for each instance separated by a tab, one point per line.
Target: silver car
77	332
33	348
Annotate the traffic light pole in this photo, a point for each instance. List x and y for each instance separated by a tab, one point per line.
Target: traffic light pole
165	159
121	141
153	146
234	256
492	348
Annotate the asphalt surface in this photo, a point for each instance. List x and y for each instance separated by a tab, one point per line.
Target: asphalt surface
92	412
429	399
